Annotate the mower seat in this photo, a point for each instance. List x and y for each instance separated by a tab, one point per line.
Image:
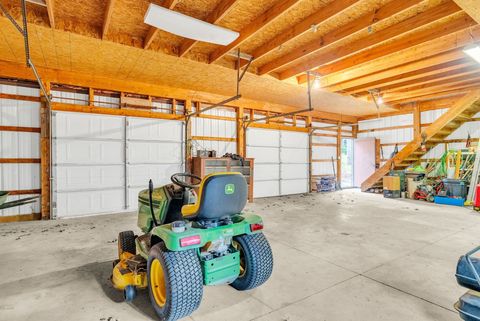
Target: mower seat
220	195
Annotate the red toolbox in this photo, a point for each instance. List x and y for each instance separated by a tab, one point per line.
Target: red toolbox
476	198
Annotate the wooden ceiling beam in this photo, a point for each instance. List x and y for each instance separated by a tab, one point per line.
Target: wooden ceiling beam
220	11
429	93
443	49
475	77
471	7
355	53
447	67
334	36
152	32
331	10
253	27
430	80
108	18
50	11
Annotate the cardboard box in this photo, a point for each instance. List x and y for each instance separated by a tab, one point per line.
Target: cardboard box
391	183
412	186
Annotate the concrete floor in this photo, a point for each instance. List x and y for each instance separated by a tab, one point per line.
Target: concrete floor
341	256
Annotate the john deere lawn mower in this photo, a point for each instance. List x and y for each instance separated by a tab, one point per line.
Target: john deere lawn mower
468	276
190	241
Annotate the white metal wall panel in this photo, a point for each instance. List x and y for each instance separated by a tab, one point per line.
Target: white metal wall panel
88	162
19	145
154	151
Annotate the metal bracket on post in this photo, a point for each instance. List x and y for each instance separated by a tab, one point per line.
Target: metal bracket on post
24	32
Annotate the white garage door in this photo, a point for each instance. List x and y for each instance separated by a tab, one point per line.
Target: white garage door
154	150
101	162
281	161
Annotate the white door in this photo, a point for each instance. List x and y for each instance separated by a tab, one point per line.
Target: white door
154	151
100	162
88	164
281	161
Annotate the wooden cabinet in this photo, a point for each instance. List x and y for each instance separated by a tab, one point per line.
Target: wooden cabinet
202	166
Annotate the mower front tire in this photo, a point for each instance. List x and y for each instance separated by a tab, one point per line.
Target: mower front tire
126	243
256	261
175	282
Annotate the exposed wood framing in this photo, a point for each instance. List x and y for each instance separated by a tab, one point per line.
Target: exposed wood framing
240	132
24	192
50	11
20	218
253	27
472	7
45	157
18	97
212	138
338	34
188	138
20	129
152	32
354	53
19	160
220	11
108	18
329	11
339	153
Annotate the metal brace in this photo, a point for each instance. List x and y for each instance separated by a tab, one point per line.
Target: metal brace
24	32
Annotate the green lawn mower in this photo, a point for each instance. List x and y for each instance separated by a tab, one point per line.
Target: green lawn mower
192	241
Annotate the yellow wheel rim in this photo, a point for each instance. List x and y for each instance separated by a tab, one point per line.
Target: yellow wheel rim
243	267
157	283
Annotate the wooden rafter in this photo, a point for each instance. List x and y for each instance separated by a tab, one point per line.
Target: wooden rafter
152	32
253	27
408	26
108	18
471	7
220	11
444	76
413	76
50	12
443	49
325	13
349	29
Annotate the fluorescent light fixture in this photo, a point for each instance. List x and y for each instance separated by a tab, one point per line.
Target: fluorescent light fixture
188	27
473	51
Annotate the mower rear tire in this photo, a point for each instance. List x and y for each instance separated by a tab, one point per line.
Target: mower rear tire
256	260
175	282
126	243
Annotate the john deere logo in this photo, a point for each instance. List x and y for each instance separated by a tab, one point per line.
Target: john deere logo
229	189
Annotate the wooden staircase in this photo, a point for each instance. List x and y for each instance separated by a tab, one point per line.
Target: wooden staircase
462	111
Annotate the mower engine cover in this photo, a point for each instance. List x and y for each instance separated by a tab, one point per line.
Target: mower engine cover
161	201
465	276
469	306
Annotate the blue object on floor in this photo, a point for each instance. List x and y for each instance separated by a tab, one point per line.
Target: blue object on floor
449	201
469	306
466	270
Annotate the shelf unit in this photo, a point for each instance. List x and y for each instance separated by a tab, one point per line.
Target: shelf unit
202	166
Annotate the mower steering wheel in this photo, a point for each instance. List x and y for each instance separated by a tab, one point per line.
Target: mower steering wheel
179	179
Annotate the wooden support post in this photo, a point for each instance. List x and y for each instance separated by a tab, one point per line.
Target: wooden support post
417	125
308	124
240	133
45	174
355	131
188	137
339	153
174	106
91	96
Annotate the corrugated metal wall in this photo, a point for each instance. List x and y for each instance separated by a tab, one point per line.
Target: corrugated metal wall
19	113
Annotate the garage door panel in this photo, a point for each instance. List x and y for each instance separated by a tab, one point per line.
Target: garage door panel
152	129
294	186
139	175
85	202
290	171
79	125
154	152
293	155
263	154
293	139
266	172
263	137
89	177
89	152
266	188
